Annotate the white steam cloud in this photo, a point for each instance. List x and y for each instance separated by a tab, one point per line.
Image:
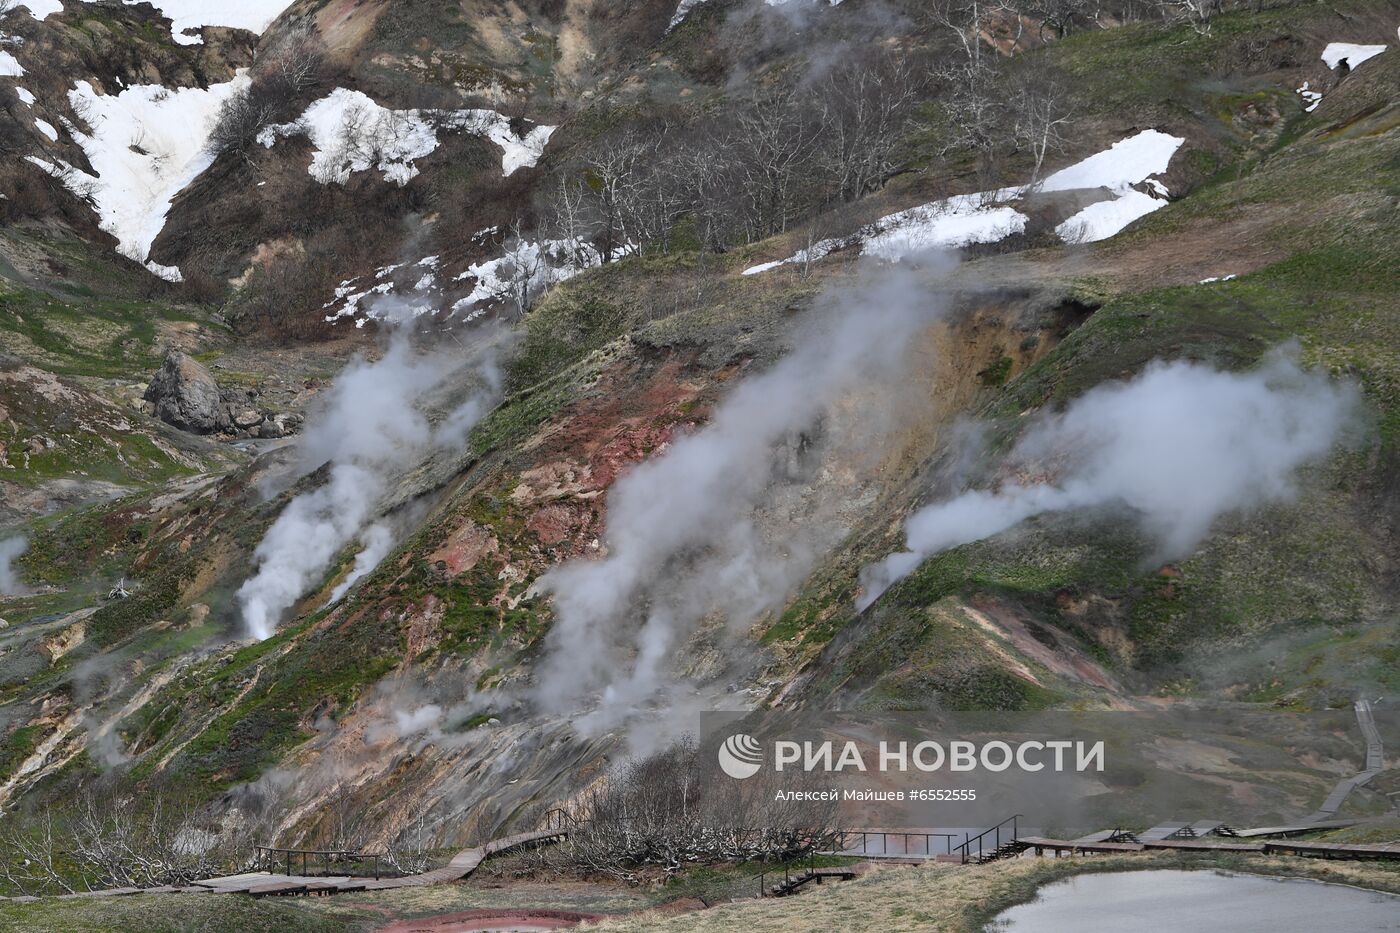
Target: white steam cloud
370	427
377	542
11	549
686	530
1180	445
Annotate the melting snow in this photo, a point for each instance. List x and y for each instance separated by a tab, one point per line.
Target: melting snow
1311	97
352	133
984	217
1130	162
145	145
492	281
10	66
1354	54
557	261
25	97
47	129
953	222
1218	278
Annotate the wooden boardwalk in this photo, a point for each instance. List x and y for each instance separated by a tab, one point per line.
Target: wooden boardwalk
1076	847
1347	850
1375	764
1293	829
269	884
1343	850
1196	845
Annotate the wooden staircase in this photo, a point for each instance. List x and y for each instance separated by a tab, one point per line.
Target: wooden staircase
792	883
1005	850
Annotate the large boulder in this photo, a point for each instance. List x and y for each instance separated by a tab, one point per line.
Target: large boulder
184	394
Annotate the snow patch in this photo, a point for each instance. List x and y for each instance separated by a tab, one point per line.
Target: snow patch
944	224
352	133
1310	97
1350	52
145	144
47	129
492	281
24	96
986	217
1129	162
10	66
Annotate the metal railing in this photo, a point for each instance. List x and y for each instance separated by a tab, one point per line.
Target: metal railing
843	844
313	863
995	833
787	873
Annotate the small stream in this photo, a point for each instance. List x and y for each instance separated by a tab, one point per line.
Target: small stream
1168	901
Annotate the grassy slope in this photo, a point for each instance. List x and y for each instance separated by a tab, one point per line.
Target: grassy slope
1323	196
1331	292
962	900
941	899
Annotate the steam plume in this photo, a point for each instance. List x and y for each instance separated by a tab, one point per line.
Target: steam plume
685	537
371	426
11	549
1180	445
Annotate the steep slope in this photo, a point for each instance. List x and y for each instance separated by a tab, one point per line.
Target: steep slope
426	697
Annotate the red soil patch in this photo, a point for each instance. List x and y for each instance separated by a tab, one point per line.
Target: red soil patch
555	523
628	414
470	921
464	548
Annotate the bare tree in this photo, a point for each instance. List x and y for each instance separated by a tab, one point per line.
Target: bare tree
868	107
29	855
1061	16
609	169
522	272
1196	13
566	217
773	143
666	811
282	75
1041	112
113	840
966	19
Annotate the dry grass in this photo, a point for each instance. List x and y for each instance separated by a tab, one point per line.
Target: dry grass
962	899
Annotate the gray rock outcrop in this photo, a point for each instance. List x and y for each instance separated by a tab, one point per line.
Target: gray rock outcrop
184	394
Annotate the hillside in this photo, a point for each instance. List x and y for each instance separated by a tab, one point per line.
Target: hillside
569	367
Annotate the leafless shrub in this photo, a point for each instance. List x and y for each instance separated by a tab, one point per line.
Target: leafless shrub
282	76
868	108
1041	112
666	811
1195	13
114	840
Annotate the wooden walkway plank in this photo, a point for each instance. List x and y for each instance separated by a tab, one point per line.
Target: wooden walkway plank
1069	845
1195	845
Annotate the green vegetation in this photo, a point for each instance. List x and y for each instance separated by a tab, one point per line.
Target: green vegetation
90	336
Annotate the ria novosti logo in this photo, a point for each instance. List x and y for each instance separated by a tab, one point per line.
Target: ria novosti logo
740	756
